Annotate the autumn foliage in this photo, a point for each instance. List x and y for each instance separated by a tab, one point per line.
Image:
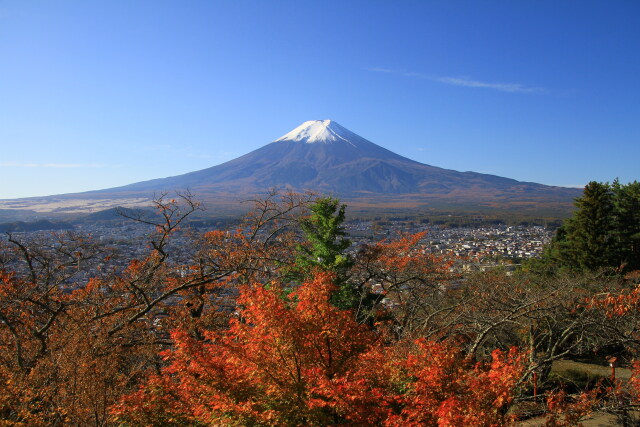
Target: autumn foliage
298	360
277	321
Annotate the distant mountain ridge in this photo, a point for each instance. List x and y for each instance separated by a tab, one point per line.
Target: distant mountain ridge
323	156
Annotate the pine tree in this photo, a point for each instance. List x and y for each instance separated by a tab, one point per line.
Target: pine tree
604	231
627	223
326	249
590	231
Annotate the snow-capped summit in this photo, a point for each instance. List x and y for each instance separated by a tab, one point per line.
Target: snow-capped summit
322	131
323	156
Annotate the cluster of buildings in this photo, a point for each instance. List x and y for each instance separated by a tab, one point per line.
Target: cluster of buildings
476	247
518	242
478	243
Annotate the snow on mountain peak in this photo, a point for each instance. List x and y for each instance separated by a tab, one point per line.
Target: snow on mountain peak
322	131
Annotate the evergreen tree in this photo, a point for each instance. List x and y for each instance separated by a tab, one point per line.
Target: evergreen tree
604	231
590	232
627	223
323	230
326	249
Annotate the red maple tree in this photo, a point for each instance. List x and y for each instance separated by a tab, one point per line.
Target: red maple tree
298	360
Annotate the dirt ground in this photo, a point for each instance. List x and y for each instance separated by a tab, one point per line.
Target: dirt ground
597	419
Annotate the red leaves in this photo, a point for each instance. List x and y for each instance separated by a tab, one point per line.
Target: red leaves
404	255
563	411
426	383
298	360
617	304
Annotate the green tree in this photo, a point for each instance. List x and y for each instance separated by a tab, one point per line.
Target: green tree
326	248
591	229
604	231
627	223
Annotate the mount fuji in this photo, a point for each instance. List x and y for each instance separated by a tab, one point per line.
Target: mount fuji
319	154
323	156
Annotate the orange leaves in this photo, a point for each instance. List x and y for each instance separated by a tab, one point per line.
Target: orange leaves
618	304
403	263
423	383
298	360
405	254
565	412
260	369
634	381
446	390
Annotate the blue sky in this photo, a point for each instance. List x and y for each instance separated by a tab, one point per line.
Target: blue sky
105	93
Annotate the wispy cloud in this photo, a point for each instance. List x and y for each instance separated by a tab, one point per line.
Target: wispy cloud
419	75
380	70
51	165
502	87
464	81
